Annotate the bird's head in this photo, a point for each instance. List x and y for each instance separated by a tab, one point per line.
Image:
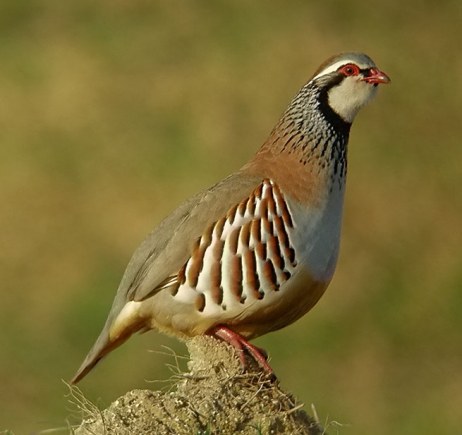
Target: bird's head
350	80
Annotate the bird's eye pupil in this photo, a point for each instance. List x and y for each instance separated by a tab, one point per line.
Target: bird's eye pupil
349	70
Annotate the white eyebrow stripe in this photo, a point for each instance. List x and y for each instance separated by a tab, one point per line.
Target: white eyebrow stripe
335	66
332	68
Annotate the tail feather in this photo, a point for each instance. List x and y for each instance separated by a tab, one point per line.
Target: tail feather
120	325
104	344
100	349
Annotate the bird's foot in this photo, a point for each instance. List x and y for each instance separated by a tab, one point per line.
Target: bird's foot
241	344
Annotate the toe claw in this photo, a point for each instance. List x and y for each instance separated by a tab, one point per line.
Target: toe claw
240	343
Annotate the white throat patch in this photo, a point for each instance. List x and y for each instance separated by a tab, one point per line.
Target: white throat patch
349	96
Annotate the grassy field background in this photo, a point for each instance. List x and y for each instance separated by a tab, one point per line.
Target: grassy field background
112	112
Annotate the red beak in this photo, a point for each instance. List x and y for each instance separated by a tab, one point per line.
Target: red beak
376	76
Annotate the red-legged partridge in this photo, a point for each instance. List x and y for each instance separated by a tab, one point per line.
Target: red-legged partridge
256	251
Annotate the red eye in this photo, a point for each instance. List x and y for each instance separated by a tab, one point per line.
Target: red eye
349	69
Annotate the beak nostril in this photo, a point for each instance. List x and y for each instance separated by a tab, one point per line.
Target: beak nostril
375	76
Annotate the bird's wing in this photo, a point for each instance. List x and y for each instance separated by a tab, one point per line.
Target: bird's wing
162	254
168	247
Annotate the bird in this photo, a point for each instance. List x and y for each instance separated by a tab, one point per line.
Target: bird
256	251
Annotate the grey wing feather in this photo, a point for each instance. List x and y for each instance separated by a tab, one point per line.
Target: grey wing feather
168	247
165	251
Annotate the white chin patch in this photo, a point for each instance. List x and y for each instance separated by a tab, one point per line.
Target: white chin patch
349	96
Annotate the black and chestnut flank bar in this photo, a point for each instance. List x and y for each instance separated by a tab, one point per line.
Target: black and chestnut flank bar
256	251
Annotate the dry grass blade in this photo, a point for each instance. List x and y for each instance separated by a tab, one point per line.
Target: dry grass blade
214	397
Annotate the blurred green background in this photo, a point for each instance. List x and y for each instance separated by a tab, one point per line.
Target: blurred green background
112	112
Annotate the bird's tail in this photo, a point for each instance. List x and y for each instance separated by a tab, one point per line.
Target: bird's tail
101	348
106	342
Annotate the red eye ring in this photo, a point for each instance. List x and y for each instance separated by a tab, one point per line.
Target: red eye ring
350	69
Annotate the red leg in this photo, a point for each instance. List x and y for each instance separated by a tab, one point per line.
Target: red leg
240	343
